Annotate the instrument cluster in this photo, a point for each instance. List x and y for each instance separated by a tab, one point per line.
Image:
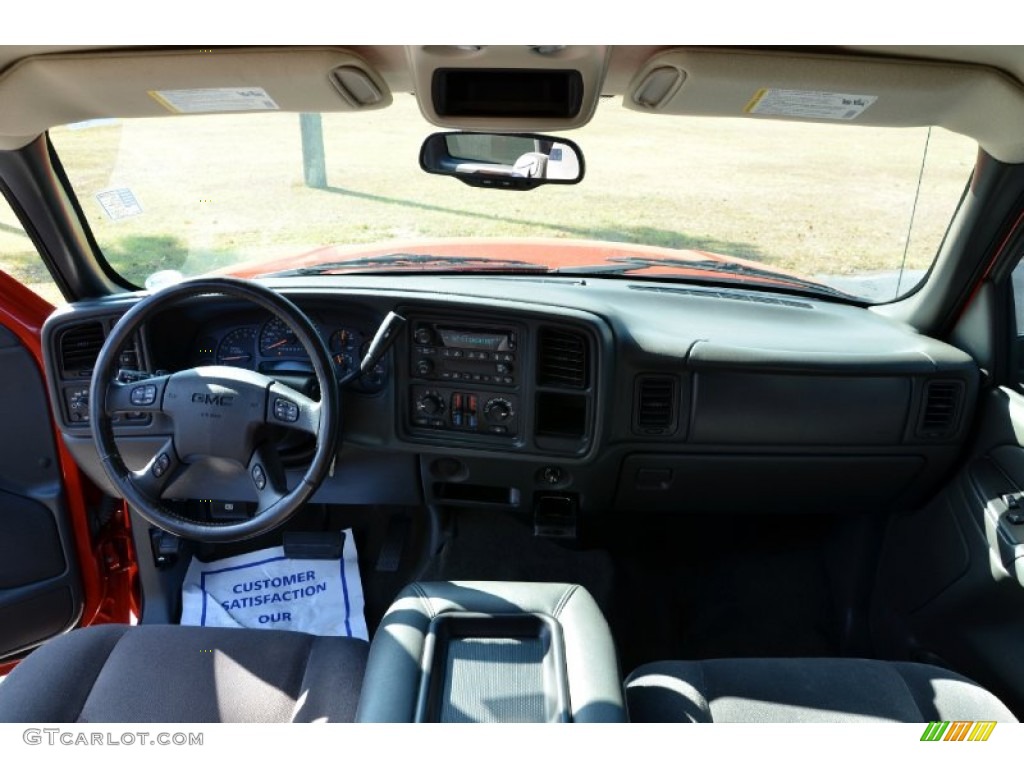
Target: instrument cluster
269	346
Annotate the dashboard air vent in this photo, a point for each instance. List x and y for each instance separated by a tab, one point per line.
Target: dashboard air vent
79	347
562	359
655	405
941	412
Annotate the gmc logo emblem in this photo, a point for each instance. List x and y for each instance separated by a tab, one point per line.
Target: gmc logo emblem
208	399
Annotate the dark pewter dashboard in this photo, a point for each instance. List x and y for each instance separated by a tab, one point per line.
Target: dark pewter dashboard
602	394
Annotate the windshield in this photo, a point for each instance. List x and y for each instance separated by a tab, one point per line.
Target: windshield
860	209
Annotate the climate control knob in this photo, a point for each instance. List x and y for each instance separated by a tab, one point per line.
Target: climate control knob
430	404
498	410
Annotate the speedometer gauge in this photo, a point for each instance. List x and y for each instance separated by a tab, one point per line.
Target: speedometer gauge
238	348
278	340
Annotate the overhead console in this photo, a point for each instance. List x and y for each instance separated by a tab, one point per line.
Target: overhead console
506	87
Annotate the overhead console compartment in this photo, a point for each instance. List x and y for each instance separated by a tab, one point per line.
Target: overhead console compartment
508	87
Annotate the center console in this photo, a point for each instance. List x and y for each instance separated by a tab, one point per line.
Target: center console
492	652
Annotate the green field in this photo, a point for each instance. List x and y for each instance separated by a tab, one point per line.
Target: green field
817	199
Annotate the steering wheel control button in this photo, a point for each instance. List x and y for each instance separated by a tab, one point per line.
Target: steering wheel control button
285	410
259	477
161	465
143	395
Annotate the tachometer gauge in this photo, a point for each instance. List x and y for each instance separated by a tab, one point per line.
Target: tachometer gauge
278	340
238	348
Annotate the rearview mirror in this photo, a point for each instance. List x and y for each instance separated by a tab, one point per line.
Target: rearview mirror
503	160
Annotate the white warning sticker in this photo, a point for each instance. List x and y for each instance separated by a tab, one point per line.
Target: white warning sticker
823	105
196	100
119	203
266	590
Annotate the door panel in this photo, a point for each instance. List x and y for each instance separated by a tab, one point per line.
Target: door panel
58	566
40	587
947	590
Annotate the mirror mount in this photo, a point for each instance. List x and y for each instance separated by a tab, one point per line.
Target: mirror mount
517	161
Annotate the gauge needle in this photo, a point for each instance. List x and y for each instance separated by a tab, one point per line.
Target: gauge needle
278	343
235	357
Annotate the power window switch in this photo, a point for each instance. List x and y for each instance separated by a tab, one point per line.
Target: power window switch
1014	508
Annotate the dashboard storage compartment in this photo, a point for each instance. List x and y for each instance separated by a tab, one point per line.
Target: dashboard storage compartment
763	483
472	493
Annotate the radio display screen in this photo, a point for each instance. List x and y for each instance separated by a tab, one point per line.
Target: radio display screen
495	342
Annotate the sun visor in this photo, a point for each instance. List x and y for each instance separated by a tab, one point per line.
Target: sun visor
69	88
507	87
976	101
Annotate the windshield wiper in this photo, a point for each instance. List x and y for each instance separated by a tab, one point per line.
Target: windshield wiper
624	264
423	261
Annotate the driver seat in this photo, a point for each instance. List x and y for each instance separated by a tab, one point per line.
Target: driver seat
175	674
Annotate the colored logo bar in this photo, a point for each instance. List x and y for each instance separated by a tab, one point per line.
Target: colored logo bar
959	730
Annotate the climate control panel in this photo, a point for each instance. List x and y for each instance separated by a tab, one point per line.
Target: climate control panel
465	410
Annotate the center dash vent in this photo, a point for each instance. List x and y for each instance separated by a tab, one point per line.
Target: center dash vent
79	347
654	411
562	359
940	415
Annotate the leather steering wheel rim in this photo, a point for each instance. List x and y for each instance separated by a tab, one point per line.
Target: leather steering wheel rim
323	417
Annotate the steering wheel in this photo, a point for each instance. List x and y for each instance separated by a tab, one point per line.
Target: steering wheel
219	414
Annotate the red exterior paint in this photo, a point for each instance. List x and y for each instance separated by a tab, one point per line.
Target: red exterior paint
548	252
108	596
996	255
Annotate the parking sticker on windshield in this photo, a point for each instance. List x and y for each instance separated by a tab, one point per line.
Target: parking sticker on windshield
119	203
196	100
823	105
267	590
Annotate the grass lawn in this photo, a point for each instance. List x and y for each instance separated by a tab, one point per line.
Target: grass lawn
818	199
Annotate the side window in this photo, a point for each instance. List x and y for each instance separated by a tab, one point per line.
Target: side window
20	260
1017	281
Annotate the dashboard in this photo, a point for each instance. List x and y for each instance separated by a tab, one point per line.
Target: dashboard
603	395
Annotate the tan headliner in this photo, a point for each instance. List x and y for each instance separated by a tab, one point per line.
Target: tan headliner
975	90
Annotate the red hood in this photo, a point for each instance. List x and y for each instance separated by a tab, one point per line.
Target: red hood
544	252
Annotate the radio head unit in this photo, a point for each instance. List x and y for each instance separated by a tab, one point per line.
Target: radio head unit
442	351
465	378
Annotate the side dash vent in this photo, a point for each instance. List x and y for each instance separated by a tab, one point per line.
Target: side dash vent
940	415
654	411
79	347
562	359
